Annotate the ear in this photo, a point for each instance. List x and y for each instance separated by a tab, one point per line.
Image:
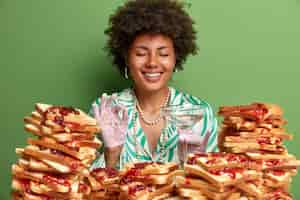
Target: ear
125	55
176	69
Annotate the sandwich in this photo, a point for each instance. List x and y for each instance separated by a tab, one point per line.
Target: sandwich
148	180
54	165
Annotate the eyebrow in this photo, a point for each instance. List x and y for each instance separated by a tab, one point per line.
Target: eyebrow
145	48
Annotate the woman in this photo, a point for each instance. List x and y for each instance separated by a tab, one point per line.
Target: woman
149	40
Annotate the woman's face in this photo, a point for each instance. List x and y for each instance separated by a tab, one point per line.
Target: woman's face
151	61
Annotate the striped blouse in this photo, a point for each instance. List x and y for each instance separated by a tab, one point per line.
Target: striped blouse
136	148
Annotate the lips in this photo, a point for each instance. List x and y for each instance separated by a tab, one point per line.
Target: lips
152	76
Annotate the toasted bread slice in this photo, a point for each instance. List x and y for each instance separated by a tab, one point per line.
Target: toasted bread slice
234	196
278	194
208	190
41	130
32	164
67	137
254	147
252	135
275	184
175	197
278	176
71	127
197	183
49	127
70	114
265	132
262	139
218	160
271	164
135	190
147	168
255	111
223	177
94	143
261	156
106	176
28	196
253	188
52	144
39	189
54	159
191	193
158	190
149	173
163	196
152	179
97	195
239	124
274	161
95	185
33	120
36	115
218	196
35	129
57	184
17	195
72	149
163	179
44	165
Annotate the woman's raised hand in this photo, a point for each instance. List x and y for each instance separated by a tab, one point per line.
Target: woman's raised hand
113	120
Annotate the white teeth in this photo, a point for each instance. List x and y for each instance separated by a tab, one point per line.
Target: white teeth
152	74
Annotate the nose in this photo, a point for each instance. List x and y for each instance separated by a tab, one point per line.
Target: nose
152	61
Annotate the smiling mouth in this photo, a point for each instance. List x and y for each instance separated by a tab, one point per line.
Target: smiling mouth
152	74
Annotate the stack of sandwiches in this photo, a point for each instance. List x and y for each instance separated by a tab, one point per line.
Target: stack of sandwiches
53	164
214	176
148	180
257	132
253	163
104	184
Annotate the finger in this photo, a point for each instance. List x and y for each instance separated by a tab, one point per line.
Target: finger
103	102
96	111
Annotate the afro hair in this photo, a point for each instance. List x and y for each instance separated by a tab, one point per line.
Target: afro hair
136	17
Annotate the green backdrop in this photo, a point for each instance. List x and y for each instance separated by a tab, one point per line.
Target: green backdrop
51	51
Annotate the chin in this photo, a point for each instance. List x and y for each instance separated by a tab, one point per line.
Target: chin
154	87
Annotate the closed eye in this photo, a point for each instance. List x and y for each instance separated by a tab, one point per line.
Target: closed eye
140	54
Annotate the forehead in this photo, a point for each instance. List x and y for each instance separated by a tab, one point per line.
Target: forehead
152	40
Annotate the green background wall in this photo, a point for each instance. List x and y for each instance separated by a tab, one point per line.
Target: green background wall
51	51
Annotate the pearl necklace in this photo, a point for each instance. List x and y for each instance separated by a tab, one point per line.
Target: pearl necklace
140	151
159	118
138	148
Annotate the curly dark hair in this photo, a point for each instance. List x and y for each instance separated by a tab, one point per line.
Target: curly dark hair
166	17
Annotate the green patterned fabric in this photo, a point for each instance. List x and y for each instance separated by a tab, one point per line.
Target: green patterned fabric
166	149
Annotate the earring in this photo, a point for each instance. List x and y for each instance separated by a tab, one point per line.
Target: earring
126	73
176	70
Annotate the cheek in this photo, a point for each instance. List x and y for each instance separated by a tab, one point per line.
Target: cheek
169	65
135	65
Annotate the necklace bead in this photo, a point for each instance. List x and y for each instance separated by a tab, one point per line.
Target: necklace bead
159	118
138	148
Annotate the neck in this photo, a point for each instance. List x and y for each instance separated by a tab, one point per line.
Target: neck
151	102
